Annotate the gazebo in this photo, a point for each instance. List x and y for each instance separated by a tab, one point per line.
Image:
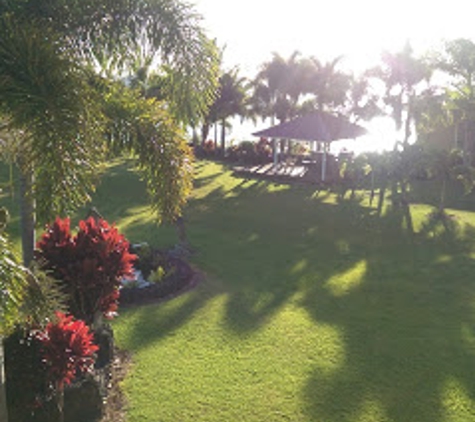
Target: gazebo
317	126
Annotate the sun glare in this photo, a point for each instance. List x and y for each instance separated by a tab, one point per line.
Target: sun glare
251	30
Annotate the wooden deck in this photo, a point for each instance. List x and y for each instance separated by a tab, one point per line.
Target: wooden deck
282	172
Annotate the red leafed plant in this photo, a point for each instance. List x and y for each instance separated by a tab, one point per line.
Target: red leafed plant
89	265
67	349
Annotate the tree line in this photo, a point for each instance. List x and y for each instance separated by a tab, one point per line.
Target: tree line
422	94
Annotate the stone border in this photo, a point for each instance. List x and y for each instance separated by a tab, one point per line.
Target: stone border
184	279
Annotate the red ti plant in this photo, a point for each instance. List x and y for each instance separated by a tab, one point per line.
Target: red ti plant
67	348
90	265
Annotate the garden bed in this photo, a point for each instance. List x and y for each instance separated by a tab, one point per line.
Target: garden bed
176	276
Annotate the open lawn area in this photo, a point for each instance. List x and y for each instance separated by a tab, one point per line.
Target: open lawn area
311	309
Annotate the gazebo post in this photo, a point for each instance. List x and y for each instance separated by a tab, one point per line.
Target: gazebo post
274	144
324	161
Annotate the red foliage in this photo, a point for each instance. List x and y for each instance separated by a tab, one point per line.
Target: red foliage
90	265
67	348
209	146
264	149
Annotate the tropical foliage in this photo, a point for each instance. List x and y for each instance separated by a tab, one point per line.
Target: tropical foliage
230	101
67	348
285	88
12	281
59	65
89	265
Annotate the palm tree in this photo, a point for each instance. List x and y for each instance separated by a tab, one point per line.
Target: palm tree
278	87
51	93
230	101
12	287
458	61
329	85
64	113
403	76
362	100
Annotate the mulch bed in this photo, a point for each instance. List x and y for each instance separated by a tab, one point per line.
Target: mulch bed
184	278
115	408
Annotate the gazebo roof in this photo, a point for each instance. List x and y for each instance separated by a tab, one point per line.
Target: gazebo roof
315	126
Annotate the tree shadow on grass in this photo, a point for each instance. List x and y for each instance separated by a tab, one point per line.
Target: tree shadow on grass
408	333
149	323
255	238
407	325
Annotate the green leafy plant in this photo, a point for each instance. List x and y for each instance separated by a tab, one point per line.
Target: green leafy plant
12	280
157	275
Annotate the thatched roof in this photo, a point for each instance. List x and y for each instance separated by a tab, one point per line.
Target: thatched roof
316	126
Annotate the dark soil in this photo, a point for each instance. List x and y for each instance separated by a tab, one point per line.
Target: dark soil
116	403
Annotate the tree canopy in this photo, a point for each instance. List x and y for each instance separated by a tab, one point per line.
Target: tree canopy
61	90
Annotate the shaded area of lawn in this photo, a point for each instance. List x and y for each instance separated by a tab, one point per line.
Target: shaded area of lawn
409	337
313	309
339	316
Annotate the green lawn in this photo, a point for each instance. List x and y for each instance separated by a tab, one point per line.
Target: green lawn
312	310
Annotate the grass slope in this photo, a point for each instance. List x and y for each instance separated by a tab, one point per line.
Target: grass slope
313	309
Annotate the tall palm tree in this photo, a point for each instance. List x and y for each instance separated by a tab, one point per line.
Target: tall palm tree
278	87
458	61
230	101
65	115
329	85
362	100
404	76
50	91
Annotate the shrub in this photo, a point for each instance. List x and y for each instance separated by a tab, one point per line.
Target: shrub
243	153
67	349
89	266
207	149
298	148
248	152
157	275
264	150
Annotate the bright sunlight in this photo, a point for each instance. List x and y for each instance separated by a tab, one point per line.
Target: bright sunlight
250	31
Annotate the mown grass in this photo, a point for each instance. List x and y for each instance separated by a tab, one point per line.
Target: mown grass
312	309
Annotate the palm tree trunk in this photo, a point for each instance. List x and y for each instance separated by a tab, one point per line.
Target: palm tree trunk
382	194
443	191
223	136
406	208
407	126
205	132
3	396
194	137
444	218
27	216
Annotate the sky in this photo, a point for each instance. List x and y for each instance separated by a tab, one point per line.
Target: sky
251	30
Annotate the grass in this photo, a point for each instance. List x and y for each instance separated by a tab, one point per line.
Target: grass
313	309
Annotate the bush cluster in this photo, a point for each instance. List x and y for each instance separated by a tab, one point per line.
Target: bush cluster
248	152
89	265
